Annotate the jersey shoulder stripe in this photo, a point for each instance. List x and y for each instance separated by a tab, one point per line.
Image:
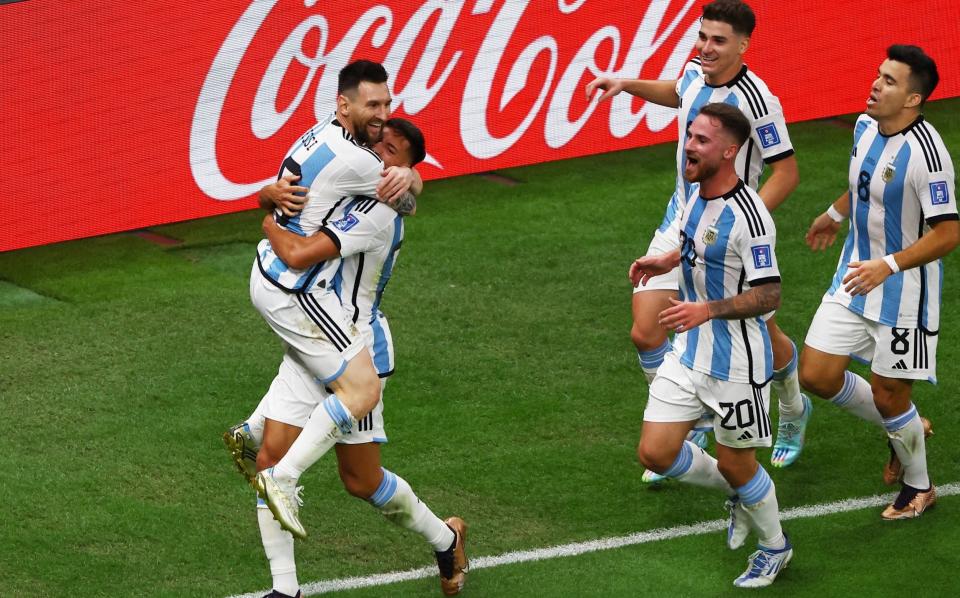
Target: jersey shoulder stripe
922	133
748	83
744	201
365	205
346	135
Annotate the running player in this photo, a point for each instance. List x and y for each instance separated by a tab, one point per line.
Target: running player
721	358
718	74
883	305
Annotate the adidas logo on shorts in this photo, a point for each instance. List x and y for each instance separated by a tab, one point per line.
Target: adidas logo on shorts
900	365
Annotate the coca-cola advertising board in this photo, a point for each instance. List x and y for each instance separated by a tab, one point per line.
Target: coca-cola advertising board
122	115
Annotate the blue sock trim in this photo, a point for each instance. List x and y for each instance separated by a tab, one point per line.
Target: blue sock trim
753	491
788	369
261	502
846	392
682	463
653	358
386	490
896	422
338	413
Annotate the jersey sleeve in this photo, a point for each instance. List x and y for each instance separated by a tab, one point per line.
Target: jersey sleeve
770	132
362	175
359	230
934	183
690	72
757	250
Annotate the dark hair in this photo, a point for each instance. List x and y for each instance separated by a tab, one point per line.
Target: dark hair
732	12
731	120
358	71
923	70
412	133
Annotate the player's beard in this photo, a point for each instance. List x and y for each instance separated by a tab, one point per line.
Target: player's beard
700	171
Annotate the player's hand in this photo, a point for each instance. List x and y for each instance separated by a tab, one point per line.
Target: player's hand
822	233
610	87
684	315
644	268
394	182
863	277
285	195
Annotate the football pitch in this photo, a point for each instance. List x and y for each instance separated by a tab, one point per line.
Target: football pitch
517	405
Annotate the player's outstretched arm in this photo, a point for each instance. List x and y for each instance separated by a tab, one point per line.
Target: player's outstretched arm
784	178
863	277
644	268
656	91
283	194
823	231
296	251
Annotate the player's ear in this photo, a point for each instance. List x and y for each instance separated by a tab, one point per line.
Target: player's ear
343	105
731	152
913	100
744	44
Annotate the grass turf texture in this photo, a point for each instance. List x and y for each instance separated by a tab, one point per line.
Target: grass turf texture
517	402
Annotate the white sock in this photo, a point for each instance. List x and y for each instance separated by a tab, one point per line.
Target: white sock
278	546
906	435
856	397
396	500
650	360
786	383
694	466
759	498
256	422
328	422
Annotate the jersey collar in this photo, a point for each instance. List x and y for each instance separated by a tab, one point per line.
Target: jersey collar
736	79
736	189
906	130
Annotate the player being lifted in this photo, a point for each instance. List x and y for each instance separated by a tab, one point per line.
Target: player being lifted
323	344
718	74
883	305
721	360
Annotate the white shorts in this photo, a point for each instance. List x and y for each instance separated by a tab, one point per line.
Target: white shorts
312	326
906	353
679	394
294	394
665	282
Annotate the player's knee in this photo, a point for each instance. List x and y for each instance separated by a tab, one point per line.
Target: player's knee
654	458
815	379
359	485
647	336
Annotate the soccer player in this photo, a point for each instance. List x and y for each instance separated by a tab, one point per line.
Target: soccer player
883	305
368	235
721	359
718	74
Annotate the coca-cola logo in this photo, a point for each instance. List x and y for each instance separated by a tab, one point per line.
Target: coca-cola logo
425	54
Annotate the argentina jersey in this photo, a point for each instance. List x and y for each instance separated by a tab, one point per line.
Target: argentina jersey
727	246
769	140
335	167
900	185
369	234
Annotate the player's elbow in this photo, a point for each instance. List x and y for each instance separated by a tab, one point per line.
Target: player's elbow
298	260
951	235
770	294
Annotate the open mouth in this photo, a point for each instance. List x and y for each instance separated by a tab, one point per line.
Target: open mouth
871	100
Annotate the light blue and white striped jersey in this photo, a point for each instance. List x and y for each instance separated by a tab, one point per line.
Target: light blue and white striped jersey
727	246
335	167
369	234
899	185
769	140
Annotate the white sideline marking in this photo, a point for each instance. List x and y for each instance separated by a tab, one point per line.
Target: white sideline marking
539	554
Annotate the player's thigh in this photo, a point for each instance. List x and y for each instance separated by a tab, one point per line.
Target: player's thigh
672	410
646	307
737	465
835	335
357	386
822	373
359	468
783	350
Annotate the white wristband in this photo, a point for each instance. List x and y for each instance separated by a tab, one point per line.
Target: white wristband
892	263
835	215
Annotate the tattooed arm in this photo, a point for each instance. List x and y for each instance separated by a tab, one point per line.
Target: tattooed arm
684	315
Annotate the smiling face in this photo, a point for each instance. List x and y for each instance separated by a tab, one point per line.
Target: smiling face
890	93
393	149
364	111
721	51
708	146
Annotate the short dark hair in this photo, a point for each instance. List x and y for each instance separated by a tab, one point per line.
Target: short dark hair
413	134
732	12
358	71
731	120
923	70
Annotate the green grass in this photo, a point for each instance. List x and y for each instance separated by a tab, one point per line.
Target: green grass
517	403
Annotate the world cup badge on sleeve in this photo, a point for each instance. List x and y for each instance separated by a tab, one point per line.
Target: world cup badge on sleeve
889	171
710	235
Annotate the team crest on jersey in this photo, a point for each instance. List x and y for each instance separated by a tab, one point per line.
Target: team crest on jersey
938	193
346	223
710	235
768	135
761	256
889	171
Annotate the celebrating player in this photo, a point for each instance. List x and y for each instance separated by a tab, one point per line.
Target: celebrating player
883	305
721	358
718	74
